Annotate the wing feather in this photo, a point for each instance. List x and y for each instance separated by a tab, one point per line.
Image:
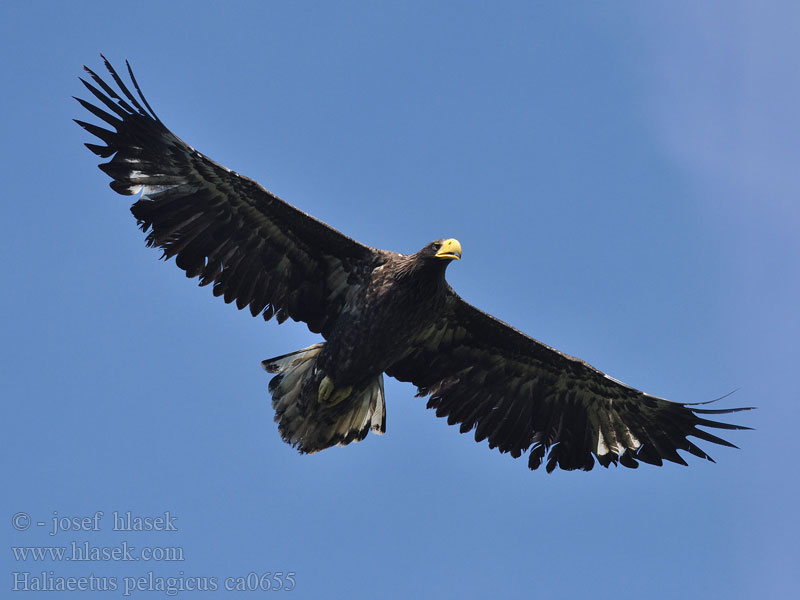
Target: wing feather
524	396
221	227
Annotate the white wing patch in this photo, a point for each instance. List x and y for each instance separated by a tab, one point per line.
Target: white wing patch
617	448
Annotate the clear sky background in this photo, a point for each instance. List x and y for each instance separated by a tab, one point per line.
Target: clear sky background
623	178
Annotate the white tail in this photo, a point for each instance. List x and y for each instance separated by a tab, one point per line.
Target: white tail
311	425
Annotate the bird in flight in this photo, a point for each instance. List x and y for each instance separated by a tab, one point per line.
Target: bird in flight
378	311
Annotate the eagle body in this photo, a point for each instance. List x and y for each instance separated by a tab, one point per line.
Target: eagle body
378	312
341	395
403	297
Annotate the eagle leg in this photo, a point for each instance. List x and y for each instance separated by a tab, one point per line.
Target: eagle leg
325	390
326	394
339	395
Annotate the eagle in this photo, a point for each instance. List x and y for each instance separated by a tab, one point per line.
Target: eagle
378	312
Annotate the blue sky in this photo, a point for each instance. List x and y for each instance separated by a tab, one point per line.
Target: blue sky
623	180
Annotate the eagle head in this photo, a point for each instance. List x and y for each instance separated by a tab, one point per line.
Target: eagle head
446	249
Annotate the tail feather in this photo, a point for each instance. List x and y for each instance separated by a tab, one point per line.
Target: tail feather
311	426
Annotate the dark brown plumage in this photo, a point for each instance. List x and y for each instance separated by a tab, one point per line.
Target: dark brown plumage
378	311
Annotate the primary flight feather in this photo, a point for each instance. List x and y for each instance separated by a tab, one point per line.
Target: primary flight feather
378	311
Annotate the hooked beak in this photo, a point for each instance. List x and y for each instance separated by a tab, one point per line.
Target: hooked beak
451	249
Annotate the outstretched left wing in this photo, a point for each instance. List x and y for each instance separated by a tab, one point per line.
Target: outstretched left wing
521	394
220	226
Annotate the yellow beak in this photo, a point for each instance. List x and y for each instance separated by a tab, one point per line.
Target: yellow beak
451	249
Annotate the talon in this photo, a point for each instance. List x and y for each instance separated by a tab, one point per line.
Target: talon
325	389
340	395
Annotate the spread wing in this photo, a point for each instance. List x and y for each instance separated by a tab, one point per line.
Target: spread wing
221	226
521	394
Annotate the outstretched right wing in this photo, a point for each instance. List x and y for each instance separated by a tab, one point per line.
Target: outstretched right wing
220	226
520	395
